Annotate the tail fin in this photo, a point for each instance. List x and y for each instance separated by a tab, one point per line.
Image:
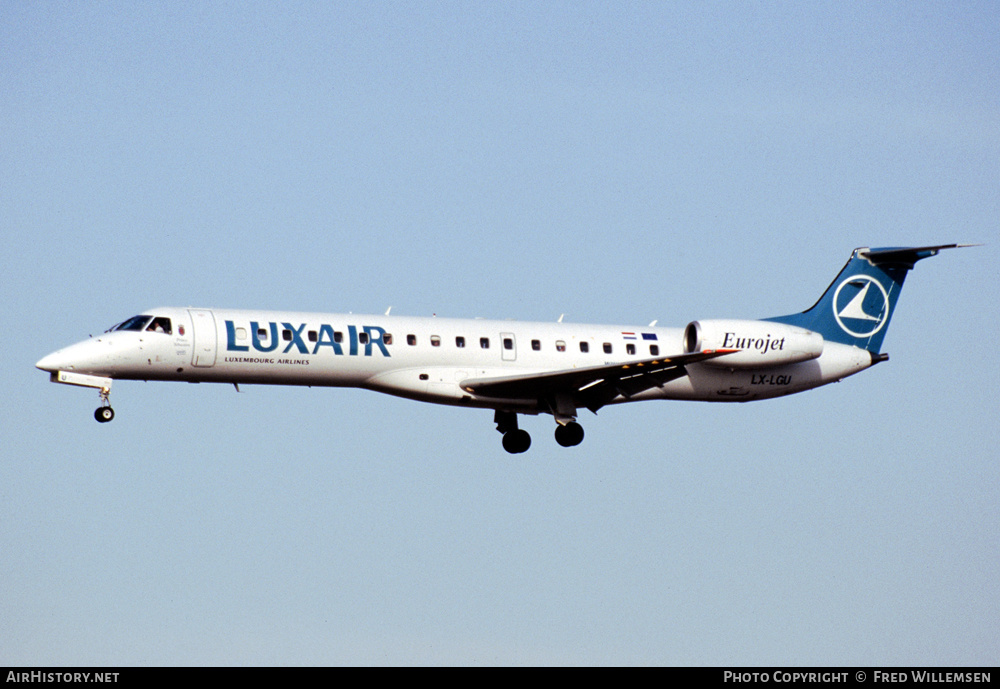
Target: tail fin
855	309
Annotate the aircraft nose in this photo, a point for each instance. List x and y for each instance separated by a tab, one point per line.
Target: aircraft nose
75	357
51	362
97	356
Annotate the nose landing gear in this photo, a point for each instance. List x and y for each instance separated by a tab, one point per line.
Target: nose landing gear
104	413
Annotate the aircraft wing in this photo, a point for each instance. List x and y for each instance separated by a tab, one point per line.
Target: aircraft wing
593	386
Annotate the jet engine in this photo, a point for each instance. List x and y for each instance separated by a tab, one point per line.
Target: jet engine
760	343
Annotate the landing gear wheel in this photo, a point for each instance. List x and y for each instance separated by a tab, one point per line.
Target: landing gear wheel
569	435
516	441
104	414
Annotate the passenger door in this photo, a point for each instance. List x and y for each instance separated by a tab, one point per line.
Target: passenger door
205	338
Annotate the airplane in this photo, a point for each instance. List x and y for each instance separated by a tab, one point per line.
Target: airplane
510	367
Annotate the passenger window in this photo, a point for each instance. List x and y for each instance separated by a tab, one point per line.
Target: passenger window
387	338
484	342
560	346
630	349
584	347
338	337
435	341
607	347
286	335
262	333
312	335
508	343
654	350
536	345
411	340
460	342
363	338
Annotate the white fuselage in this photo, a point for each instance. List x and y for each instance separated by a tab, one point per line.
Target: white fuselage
509	366
419	358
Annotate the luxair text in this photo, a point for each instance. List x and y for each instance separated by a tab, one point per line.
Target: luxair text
368	337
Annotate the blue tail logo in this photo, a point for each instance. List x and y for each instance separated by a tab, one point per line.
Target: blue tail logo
856	307
861	306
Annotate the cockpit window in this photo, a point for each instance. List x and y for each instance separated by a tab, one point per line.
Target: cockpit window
133	323
160	324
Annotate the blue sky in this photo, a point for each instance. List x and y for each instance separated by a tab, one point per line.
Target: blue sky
616	162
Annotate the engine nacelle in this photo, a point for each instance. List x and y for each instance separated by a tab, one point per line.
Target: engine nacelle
760	343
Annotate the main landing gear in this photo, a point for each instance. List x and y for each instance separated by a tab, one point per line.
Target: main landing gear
517	440
569	435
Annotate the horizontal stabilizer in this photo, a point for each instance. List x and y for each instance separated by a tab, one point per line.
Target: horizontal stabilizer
906	255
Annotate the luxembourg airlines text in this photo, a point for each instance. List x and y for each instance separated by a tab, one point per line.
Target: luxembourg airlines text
259	360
